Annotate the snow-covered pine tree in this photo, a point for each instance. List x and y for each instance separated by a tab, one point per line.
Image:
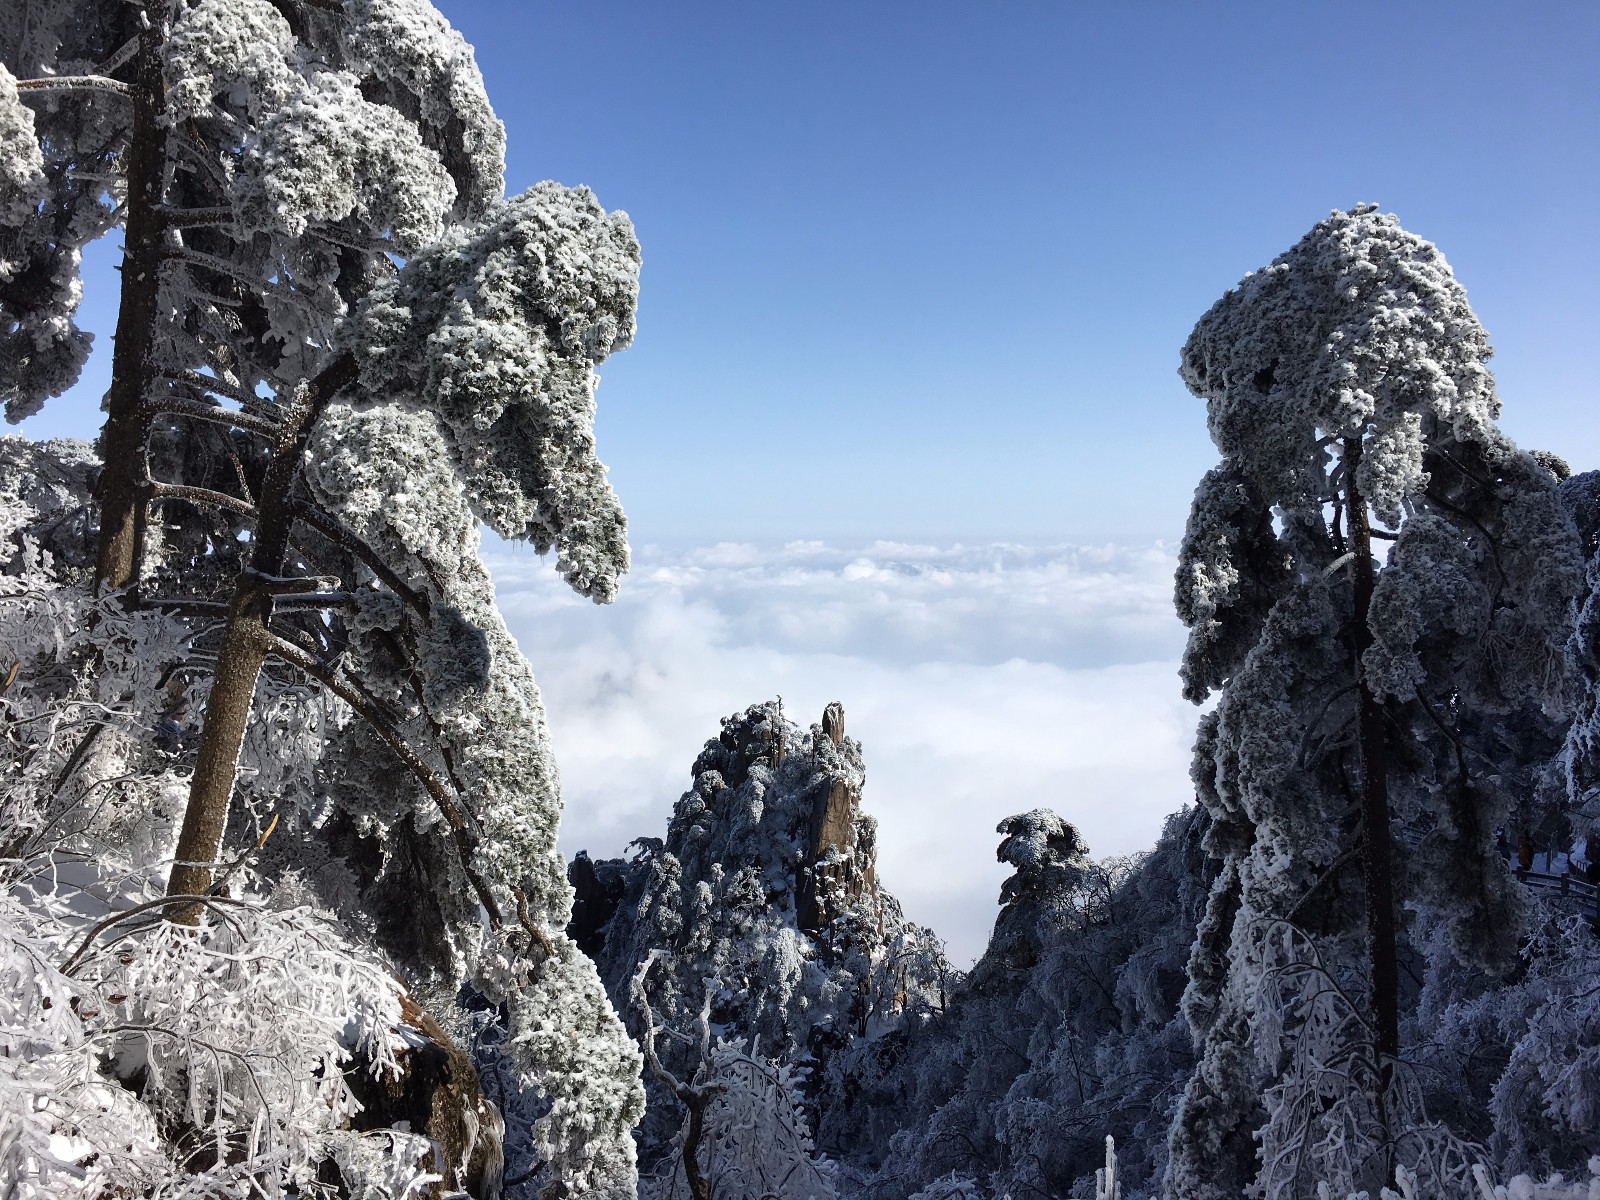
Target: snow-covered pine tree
744	1132
302	439
1365	699
261	163
1066	1030
1581	754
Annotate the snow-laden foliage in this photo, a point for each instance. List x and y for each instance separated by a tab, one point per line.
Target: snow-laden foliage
755	1142
219	1054
60	184
406	49
497	330
209	1061
1359	328
1518	1064
953	1186
84	672
320	152
1067	1028
271	164
1313	1032
291	148
22	183
386	472
1230	571
1581	754
1346	382
743	1131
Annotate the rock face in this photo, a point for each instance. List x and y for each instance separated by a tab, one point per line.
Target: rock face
839	863
764	896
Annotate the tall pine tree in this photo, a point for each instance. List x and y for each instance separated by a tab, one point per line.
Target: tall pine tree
1377	581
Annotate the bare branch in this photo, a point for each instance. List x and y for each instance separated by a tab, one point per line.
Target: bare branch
345	540
186	608
119	57
196	218
534	931
180	407
287	585
210	383
315	600
641	998
210	262
204	497
118	917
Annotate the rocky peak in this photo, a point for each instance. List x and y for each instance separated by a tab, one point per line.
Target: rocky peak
765	892
839	863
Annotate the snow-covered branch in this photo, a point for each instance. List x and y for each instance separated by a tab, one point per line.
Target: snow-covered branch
74	83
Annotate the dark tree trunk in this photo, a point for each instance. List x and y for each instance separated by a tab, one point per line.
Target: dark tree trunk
696	1103
123	498
244	643
1377	858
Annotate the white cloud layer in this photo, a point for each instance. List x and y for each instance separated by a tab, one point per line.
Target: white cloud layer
981	681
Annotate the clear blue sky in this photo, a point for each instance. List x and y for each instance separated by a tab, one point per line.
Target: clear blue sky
923	269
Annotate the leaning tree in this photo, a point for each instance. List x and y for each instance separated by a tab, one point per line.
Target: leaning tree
1378	583
338	351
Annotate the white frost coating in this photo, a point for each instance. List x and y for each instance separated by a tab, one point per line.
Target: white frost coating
41	231
239	1034
1581	754
220	45
755	1141
320	152
1429	596
387	473
42	350
801	946
1356	329
383	1165
1391	468
127	1058
239	1031
409	44
1045	850
497	329
1230	570
328	155
22	182
42	228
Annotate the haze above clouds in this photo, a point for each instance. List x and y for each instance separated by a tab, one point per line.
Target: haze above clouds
981	680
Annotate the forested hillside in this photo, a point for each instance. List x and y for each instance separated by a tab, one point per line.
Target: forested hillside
282	912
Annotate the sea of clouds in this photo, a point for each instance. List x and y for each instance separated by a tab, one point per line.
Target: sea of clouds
981	680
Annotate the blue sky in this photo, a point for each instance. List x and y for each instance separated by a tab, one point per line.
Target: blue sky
923	270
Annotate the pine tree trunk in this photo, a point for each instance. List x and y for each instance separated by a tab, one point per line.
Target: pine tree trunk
244	644
699	1185
1377	858
123	499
